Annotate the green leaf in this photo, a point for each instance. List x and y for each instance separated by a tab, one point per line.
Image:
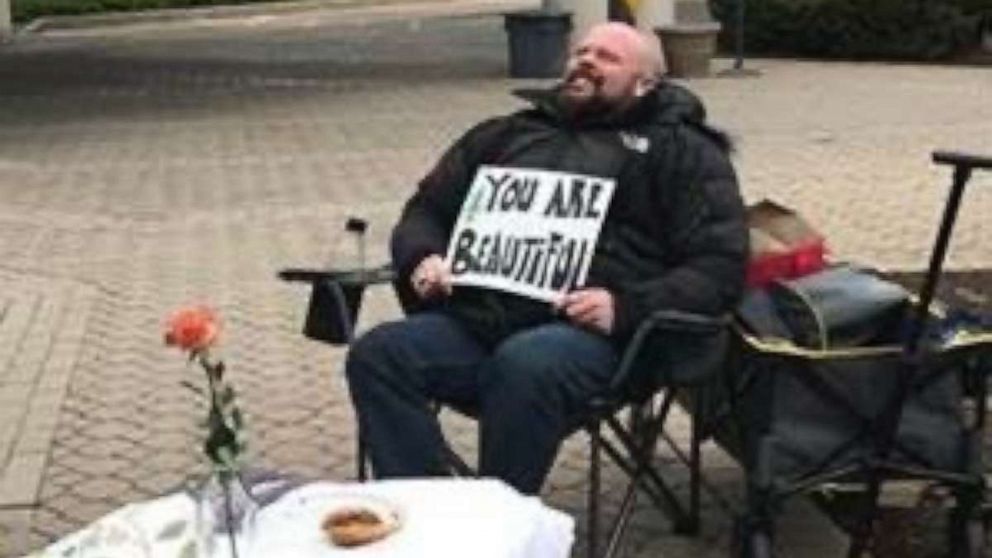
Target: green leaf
219	436
172	531
226	456
188	550
194	388
226	395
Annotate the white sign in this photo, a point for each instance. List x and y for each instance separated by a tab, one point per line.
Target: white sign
527	231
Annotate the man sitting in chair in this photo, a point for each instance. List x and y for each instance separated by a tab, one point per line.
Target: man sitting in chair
533	250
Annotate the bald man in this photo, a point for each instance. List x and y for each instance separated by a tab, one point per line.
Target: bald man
672	236
610	69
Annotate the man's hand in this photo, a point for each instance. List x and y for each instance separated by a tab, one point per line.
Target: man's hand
589	308
431	278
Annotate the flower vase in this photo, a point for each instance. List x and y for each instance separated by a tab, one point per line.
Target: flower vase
226	514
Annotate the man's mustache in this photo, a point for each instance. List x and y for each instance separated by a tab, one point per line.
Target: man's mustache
586	73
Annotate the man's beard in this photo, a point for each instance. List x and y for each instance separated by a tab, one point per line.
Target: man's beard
586	108
590	105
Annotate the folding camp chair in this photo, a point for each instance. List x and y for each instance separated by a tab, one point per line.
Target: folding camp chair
671	352
908	408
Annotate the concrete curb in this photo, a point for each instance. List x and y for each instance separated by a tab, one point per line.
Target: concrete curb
204	12
346	9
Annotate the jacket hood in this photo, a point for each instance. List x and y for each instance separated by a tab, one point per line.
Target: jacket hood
674	104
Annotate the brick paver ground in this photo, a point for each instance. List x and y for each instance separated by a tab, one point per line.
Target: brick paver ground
145	168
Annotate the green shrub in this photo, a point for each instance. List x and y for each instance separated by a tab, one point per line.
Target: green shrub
877	29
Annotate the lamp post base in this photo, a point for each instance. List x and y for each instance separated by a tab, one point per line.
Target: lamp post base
741	72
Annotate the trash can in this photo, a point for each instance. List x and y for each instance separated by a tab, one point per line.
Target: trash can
538	41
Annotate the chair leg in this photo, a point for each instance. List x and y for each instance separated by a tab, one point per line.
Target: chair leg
966	527
362	464
640	431
756	529
751	540
457	465
695	465
592	505
639	447
622	521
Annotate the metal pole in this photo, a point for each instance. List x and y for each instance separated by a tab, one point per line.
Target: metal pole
739	61
738	70
961	176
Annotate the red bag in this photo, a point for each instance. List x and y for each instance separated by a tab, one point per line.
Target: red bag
783	245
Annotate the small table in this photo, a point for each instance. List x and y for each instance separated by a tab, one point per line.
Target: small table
439	518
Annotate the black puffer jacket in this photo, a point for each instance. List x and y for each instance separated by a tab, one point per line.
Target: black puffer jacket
675	235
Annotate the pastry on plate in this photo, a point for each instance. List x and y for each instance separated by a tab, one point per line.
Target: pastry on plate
357	524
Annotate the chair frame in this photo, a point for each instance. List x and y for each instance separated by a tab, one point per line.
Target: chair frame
765	496
635	443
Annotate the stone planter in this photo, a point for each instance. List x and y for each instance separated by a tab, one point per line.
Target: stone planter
6	25
689	48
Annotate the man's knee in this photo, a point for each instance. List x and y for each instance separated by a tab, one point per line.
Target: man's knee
528	360
374	353
548	360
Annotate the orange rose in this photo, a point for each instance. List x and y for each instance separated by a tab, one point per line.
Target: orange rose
192	329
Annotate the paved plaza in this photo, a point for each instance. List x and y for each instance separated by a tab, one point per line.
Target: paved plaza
145	167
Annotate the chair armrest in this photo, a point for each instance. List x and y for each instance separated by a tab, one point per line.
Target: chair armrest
336	299
351	277
672	321
677	320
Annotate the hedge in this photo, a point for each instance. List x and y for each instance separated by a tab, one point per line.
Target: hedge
857	29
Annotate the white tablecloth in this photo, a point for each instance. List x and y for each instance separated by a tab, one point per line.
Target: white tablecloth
440	518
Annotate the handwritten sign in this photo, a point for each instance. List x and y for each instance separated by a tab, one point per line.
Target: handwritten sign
527	231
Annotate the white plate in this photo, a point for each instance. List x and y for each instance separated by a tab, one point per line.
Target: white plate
293	525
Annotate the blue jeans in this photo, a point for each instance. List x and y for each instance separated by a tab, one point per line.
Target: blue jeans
528	394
